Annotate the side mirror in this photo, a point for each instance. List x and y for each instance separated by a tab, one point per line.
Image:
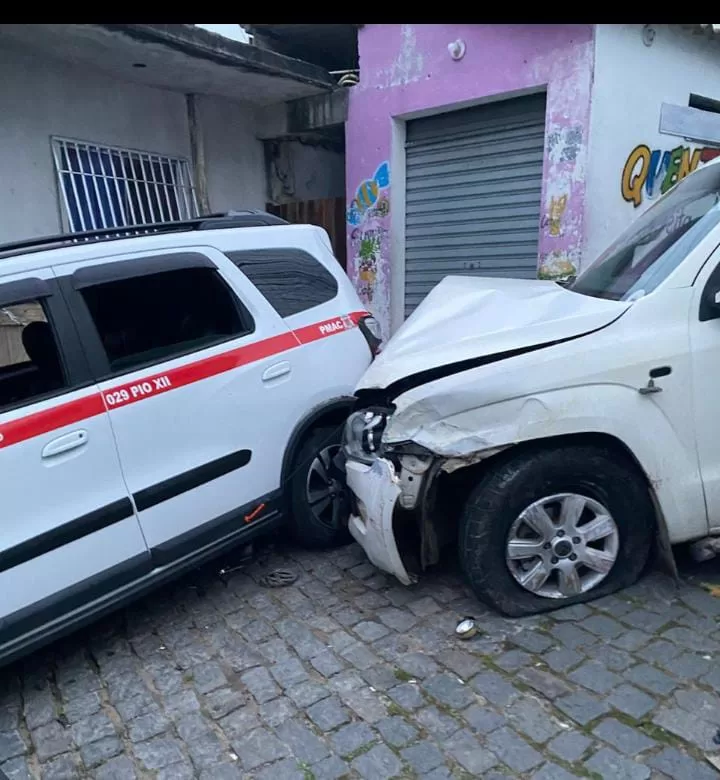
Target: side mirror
710	303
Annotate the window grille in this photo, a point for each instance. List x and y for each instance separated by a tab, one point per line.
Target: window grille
106	186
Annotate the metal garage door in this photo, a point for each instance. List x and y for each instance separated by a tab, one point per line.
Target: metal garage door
473	193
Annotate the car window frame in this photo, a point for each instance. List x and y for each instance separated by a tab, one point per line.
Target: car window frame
70	351
101	272
235	256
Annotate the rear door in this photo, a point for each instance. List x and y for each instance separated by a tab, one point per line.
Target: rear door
68	531
196	373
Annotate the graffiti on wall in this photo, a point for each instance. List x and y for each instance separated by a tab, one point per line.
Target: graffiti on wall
370	198
648	173
366	215
554	218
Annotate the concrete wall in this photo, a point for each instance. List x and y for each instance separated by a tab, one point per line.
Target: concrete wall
628	165
406	71
303	171
43	97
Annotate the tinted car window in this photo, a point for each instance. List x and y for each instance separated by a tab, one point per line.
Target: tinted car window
30	363
291	280
150	318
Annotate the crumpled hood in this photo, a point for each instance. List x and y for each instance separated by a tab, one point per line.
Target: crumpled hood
466	317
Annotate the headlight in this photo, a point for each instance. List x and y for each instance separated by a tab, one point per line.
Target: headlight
363	434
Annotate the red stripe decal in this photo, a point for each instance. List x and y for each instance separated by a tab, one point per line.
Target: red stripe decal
91	405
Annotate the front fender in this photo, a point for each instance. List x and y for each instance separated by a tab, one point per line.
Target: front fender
665	451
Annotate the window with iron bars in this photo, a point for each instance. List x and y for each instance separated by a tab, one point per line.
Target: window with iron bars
106	186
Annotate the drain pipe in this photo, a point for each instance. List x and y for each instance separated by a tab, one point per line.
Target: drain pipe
197	150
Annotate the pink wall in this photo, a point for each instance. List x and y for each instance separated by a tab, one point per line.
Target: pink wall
405	69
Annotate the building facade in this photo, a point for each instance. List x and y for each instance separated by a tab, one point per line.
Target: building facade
109	125
514	150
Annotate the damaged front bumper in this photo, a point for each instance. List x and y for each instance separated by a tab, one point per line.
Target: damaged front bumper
376	489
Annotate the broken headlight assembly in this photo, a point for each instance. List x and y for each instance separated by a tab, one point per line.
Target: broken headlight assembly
363	434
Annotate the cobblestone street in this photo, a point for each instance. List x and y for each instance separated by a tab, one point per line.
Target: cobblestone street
347	674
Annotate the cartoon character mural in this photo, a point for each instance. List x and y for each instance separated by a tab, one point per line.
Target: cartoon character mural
366	215
647	174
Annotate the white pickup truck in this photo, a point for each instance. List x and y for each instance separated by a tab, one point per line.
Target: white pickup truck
555	434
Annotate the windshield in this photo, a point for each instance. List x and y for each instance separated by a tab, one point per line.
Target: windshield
655	245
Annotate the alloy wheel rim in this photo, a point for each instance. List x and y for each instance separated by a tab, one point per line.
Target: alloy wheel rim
562	546
324	490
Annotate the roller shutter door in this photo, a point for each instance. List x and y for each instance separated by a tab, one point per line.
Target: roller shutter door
473	195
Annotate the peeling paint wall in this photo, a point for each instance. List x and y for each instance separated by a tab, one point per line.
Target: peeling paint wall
407	71
631	162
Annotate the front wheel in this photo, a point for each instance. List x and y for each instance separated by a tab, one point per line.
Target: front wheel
319	508
556	527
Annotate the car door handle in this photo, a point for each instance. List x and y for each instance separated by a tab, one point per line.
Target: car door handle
276	371
65	443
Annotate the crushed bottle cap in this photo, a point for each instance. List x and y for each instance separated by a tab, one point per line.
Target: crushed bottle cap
466	628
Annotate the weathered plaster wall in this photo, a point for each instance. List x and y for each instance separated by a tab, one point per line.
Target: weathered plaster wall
303	171
630	161
405	72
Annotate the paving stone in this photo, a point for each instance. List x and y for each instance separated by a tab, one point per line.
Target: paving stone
617	660
260	684
424	607
159	752
610	765
10	717
513	750
632	701
223	701
148	726
50	740
532	719
118	768
549	685
423	757
703	704
687	726
307	693
91	729
275	712
418	665
464	664
365	703
328	714
360	656
208	677
330	769
11	745
239	722
582	707
229	771
449	691
408	696
650	678
303	641
369	630
470	754
645	620
573	636
661	651
381	678
351	738
437	723
691	639
513	660
678	766
482	719
260	747
570	745
379	763
99	752
532	641
301	741
494	688
396	619
39	707
632	640
180	704
61	768
595	676
327	663
552	772
396	731
183	770
627	740
689	666
16	769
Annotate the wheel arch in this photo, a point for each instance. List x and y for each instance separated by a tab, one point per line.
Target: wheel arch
333	412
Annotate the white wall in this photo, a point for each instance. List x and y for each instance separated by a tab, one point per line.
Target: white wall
43	97
631	82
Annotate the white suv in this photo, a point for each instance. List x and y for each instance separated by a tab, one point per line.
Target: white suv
554	435
165	392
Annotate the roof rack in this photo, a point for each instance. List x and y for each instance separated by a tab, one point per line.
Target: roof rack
230	219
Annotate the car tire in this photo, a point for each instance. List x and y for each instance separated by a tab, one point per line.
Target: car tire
311	524
504	556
